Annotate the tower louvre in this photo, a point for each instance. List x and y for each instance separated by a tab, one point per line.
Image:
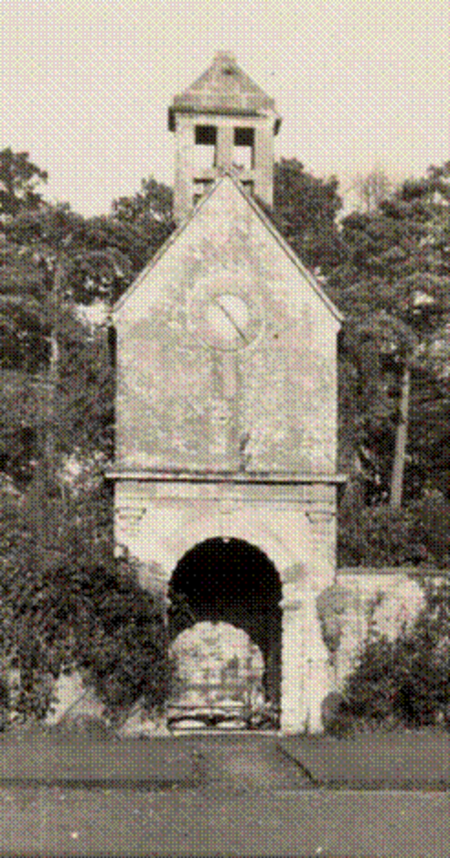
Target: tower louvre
223	123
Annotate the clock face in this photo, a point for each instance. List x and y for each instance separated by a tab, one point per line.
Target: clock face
224	317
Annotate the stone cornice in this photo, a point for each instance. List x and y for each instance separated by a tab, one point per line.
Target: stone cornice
196	477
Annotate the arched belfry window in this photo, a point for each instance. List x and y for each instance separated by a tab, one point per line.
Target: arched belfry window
205	150
244	148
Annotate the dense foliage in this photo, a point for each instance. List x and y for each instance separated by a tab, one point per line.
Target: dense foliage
376	535
66	602
393	288
405	681
305	209
19	180
55	367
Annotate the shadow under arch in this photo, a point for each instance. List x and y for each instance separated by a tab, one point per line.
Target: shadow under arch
227	579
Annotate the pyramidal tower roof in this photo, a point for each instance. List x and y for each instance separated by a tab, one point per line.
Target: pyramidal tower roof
224	89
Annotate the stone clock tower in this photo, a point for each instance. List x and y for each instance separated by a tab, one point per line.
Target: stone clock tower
226	404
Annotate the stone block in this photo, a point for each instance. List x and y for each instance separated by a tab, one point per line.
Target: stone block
399	607
141	723
72	700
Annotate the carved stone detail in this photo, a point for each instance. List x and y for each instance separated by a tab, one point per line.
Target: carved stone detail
129	517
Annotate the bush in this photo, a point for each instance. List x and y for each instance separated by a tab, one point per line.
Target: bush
127	655
379	536
406	681
98	620
65	601
337	717
435	516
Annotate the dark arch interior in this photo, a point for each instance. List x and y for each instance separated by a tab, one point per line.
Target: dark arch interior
230	580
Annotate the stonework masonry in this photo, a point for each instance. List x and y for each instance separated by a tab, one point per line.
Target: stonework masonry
223	102
293	525
226	389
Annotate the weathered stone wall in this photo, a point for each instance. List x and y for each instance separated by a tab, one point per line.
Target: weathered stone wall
389	601
160	520
293	525
182	405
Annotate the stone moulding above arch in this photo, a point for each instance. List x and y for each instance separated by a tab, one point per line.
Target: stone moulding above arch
289	546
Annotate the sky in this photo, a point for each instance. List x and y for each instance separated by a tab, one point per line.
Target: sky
85	84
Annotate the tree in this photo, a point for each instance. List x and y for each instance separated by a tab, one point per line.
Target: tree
154	200
30	315
84	388
373	189
98	255
149	210
19	178
305	210
394	290
53	261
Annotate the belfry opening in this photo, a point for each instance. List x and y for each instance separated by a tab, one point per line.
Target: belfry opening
225	632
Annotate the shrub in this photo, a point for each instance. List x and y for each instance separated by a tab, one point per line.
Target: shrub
379	536
435	516
101	621
337	717
127	656
406	681
65	601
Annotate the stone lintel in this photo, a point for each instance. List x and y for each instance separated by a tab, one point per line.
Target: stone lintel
319	499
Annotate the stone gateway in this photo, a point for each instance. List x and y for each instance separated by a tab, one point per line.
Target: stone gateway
226	409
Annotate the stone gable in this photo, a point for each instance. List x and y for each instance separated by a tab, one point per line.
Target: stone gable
184	405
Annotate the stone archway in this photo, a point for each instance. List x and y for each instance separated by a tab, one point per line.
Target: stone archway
298	543
225	622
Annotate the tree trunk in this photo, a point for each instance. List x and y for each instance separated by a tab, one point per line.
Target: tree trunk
401	437
54	360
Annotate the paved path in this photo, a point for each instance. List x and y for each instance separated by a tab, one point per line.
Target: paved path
205	821
252	801
243	763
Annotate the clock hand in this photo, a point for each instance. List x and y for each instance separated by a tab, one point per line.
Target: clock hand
230	319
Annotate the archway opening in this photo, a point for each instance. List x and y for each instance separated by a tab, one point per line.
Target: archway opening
220	585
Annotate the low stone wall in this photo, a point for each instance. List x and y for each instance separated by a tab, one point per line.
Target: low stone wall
388	599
